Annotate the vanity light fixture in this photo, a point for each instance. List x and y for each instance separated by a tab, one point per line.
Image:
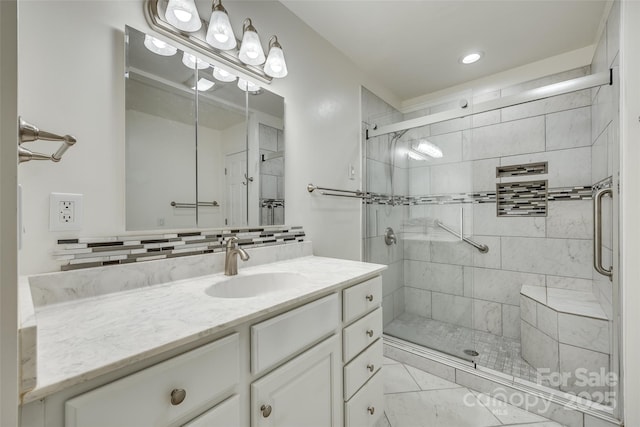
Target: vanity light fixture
248	86
159	47
216	40
223	75
192	62
275	65
183	15
251	52
203	85
471	58
220	34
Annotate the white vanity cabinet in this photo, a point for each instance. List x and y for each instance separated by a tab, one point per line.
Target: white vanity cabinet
165	393
362	353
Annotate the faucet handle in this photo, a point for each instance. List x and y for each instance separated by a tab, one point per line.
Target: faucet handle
231	242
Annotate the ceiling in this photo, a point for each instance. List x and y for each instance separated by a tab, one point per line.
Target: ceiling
413	47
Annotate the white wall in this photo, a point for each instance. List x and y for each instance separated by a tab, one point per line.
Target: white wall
8	227
71	69
630	201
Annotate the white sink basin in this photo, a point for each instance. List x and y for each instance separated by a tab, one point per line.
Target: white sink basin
253	285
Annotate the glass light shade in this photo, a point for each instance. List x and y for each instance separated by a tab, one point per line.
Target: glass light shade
183	15
248	86
192	62
223	75
220	34
159	47
251	52
203	85
431	150
275	65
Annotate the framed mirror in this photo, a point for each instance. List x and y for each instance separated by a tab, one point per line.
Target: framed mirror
200	152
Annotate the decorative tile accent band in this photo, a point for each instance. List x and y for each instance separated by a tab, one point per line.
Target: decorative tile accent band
554	194
522	198
521	170
88	252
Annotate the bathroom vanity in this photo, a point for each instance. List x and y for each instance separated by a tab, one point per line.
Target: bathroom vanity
288	343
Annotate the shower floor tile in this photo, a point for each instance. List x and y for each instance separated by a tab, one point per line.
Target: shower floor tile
498	353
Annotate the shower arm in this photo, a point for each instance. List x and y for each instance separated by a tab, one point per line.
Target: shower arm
482	248
29	132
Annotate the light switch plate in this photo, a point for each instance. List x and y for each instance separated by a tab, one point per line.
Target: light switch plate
65	212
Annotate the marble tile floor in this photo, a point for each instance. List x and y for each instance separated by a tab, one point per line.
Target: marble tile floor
414	398
498	353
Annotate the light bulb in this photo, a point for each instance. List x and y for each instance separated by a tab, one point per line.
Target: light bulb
183	15
203	85
220	34
471	58
223	75
251	52
248	86
275	65
159	47
192	62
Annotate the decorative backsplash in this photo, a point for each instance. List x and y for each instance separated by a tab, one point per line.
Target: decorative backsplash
521	170
88	252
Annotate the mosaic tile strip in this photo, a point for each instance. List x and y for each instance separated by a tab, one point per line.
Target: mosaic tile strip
88	252
522	198
272	203
605	183
553	194
521	170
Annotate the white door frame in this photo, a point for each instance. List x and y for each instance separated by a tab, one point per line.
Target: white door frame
8	213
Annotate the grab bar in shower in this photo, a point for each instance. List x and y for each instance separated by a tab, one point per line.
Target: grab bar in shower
356	194
597	232
180	205
482	248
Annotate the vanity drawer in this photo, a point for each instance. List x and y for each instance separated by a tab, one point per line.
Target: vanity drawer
363	367
360	299
226	414
206	374
359	335
276	339
366	407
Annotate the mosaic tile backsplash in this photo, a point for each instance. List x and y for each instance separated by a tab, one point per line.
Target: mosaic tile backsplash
88	252
522	198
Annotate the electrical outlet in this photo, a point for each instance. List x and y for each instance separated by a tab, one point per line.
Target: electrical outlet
65	212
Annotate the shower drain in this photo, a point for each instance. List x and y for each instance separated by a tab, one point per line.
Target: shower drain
471	353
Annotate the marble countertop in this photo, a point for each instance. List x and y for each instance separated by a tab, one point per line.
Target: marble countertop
81	340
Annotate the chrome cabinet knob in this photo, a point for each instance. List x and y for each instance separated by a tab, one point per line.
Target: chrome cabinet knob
177	396
371	410
370	333
369	298
370	367
266	410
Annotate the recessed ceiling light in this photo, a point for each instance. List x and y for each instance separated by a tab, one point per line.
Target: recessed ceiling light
471	58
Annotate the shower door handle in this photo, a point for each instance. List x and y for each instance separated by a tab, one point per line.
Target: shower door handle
597	233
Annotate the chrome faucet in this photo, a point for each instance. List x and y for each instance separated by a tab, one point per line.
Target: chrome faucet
231	260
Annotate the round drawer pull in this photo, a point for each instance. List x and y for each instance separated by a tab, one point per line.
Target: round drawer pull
370	333
177	396
371	410
369	298
370	367
266	410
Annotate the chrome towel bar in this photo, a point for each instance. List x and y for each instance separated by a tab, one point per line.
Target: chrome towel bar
356	194
29	132
179	205
482	248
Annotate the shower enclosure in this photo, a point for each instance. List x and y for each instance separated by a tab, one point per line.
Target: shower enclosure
489	199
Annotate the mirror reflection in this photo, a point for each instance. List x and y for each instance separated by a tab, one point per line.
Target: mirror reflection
203	149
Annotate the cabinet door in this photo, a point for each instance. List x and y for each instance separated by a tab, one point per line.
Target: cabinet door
303	392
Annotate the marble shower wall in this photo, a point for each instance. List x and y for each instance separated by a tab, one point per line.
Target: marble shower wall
377	176
271	141
450	281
